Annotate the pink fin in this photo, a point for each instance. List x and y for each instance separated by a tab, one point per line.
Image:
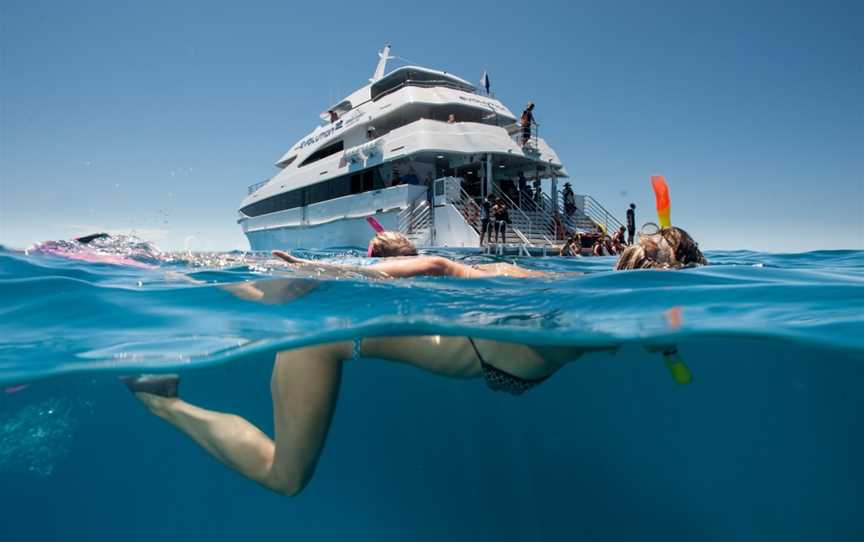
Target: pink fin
15	389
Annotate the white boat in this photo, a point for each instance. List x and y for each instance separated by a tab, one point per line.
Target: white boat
417	149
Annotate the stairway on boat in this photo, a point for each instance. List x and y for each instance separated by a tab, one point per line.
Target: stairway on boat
532	222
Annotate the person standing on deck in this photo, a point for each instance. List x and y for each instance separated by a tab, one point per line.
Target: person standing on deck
631	223
524	193
525	121
485	219
501	217
569	199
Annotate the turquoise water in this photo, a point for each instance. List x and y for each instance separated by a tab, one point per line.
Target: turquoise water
763	444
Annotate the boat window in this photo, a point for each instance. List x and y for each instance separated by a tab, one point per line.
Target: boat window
279	202
318	192
416	78
324	152
364	181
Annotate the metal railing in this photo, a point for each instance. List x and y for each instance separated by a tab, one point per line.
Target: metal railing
415	222
600	215
591	214
532	230
467	207
516	132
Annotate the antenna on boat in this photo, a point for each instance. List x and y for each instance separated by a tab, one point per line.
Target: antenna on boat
383	57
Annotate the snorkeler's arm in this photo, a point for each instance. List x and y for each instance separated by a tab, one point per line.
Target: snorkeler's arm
427	266
400	267
282	255
318	267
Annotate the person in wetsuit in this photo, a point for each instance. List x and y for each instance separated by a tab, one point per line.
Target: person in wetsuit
501	217
485	219
631	223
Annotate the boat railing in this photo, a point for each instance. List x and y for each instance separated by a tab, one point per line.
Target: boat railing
254	187
529	230
518	134
468	208
415	217
591	212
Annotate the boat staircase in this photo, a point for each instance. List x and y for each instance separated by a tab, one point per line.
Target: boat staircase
589	214
417	221
532	221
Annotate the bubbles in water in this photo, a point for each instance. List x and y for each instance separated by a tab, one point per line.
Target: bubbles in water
36	437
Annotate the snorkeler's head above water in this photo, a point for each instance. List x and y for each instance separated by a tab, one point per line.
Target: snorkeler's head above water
387	244
668	248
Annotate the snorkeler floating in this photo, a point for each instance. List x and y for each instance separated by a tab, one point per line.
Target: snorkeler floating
305	381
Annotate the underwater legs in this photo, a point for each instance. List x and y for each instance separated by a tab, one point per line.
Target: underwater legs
304	386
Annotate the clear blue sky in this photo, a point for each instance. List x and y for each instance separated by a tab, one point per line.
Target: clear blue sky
155	116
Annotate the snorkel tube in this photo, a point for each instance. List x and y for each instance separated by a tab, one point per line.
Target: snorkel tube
661	198
674	362
375	225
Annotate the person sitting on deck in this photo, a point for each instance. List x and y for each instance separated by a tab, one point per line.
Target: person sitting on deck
334	116
618	240
572	246
597	249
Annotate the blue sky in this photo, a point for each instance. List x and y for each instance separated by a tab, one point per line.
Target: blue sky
155	116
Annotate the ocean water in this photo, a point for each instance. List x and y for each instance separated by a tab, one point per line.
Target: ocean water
765	442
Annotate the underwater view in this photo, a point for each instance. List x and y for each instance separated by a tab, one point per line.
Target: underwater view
753	431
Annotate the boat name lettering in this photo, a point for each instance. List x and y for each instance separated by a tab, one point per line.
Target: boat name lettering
324	134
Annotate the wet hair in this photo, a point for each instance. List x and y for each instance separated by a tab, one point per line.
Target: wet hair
680	250
387	244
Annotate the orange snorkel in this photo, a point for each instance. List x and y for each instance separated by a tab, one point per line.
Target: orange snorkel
661	197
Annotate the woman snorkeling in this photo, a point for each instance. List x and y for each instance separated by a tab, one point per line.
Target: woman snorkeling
305	387
305	381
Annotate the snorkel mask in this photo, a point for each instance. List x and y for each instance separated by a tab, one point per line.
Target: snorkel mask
661	245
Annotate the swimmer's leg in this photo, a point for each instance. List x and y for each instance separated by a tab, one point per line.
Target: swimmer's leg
305	386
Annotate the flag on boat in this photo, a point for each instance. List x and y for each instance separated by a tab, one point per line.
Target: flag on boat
484	81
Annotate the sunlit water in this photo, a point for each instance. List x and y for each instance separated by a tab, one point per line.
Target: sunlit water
764	443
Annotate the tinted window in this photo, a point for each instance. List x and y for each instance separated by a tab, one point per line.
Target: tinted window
279	202
324	152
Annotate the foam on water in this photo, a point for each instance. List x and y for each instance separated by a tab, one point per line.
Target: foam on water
63	315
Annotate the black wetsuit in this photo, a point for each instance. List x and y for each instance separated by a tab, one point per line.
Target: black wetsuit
631	225
502	218
485	209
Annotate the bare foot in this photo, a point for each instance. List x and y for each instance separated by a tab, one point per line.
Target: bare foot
159	385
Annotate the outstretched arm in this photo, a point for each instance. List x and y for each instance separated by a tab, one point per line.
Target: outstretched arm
412	266
427	266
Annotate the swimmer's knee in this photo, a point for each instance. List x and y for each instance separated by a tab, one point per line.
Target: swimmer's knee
288	485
